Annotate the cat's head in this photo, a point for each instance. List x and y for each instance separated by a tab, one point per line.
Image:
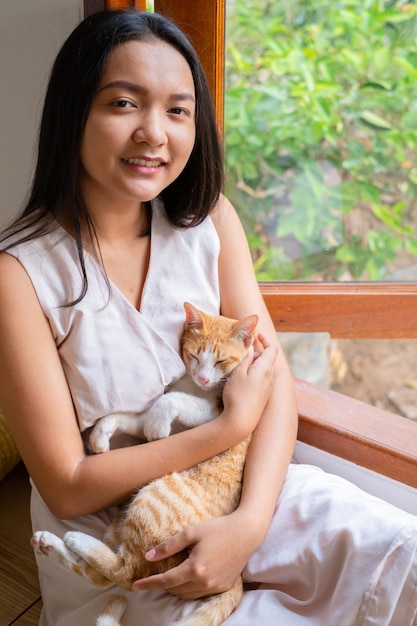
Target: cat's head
212	345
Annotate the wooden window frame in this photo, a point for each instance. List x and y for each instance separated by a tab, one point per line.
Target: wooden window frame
348	428
93	6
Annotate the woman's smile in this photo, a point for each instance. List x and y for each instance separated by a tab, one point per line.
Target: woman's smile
144	165
144	161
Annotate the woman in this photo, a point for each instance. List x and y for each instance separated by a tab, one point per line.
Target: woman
125	221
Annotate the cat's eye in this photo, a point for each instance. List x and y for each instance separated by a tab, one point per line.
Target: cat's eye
220	362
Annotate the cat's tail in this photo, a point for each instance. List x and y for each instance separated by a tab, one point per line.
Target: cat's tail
216	609
113	612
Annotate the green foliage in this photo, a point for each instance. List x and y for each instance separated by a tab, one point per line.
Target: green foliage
320	134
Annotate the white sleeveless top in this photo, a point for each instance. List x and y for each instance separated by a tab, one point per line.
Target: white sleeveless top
115	357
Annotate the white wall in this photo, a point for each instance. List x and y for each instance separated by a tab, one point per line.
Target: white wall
31	33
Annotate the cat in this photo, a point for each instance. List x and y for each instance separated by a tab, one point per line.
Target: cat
209	357
211	346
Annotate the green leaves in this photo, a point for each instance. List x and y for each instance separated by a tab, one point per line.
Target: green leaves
321	106
374	121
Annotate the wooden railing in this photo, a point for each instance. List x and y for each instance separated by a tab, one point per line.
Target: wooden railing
354	430
348	310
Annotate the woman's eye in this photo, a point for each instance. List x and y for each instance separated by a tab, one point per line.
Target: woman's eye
178	111
122	104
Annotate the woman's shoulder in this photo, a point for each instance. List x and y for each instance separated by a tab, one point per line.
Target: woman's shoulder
14	280
48	259
8	263
226	220
222	210
27	238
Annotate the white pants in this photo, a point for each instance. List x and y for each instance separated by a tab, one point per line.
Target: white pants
334	556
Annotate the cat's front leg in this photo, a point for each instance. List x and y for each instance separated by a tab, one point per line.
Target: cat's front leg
105	427
177	406
48	545
161	417
103	563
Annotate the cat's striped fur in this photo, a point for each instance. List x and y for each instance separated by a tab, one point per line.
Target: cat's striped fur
211	347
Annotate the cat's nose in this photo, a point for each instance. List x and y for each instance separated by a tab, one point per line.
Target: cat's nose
203	380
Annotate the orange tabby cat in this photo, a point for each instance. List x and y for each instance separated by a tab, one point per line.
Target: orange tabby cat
211	347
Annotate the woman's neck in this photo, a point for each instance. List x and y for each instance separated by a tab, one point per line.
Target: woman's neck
122	228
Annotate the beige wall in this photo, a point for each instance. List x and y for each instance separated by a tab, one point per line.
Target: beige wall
31	32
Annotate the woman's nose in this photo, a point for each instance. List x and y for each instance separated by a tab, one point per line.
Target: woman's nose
151	129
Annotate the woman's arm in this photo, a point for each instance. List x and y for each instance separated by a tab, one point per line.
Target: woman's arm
273	441
37	403
221	547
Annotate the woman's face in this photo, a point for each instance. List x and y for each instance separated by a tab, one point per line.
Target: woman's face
141	128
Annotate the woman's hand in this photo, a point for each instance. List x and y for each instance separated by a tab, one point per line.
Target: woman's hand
218	551
248	389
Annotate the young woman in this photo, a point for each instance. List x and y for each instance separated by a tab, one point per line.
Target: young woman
124	223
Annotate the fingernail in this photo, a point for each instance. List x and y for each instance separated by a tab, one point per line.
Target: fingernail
151	554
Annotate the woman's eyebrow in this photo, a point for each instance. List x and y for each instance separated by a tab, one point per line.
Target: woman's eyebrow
142	91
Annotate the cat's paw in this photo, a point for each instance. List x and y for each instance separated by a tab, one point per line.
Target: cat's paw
156	429
97	561
82	544
160	418
47	544
102	433
43	543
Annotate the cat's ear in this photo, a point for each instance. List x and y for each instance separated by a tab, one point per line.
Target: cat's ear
245	330
193	318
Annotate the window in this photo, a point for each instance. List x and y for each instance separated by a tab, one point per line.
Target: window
321	155
321	136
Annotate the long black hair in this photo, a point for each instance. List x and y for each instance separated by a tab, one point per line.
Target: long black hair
72	87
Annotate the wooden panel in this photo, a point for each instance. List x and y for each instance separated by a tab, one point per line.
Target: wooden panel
204	23
31	616
113	5
19	587
92	6
358	432
348	310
